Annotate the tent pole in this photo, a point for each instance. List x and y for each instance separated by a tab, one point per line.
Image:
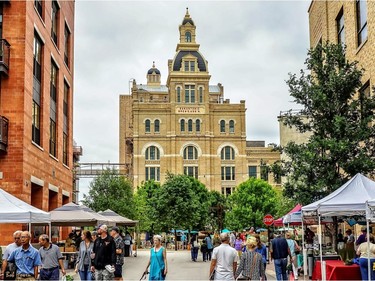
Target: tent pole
368	244
304	251
322	269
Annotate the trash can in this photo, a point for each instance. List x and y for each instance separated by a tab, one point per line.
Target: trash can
310	262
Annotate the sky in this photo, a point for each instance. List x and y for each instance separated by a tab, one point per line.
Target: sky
250	46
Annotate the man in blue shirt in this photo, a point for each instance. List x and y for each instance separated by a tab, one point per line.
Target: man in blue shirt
9	249
279	253
26	258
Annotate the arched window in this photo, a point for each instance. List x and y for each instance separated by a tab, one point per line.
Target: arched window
231	126
157	126
190	153
152	153
190	125
222	126
147	125
198	125
227	153
178	94
200	95
187	36
182	125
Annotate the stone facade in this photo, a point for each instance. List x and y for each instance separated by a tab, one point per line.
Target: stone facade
34	166
186	126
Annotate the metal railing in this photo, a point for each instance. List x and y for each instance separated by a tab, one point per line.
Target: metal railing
4	53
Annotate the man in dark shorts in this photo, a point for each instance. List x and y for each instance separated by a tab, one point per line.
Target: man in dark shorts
120	245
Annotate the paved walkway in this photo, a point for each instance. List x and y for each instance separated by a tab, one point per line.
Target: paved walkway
180	267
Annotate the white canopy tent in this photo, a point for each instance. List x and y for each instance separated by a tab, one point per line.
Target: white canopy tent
348	200
119	220
14	210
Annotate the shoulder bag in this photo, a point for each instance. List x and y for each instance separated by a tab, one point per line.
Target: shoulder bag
243	277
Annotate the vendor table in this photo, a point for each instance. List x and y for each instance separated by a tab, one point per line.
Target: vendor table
337	270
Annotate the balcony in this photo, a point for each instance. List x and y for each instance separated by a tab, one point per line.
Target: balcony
4	56
3	134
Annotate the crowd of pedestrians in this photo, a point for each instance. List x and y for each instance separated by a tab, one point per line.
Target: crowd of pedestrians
100	257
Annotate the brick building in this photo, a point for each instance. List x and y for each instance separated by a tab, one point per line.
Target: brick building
36	103
187	126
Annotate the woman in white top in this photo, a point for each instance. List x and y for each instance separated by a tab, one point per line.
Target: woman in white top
362	251
293	247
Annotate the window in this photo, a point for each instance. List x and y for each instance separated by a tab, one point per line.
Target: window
182	125
157	126
39	7
153	173
189	93
226	191
53	109
178	94
231	126
66	123
227	153
187	36
222	126
147	126
190	153
189	66
191	171
198	125
67	46
152	153
264	172
252	171
340	28
54	28
200	95
190	125
37	80
228	173
361	21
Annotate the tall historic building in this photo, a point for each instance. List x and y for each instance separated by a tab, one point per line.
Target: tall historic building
36	102
187	126
350	23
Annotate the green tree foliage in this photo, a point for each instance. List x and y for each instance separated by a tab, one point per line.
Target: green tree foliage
111	191
218	205
145	205
338	115
249	203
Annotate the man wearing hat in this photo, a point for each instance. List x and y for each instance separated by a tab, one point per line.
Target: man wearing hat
104	255
120	245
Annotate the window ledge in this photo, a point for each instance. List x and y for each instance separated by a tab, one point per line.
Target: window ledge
66	166
361	46
54	44
67	67
40	17
54	158
37	145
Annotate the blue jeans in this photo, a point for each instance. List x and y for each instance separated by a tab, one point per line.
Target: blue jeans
280	268
364	266
194	253
50	274
85	274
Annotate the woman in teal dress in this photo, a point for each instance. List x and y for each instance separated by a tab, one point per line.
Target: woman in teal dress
158	261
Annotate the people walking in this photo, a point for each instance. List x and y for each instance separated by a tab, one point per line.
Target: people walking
8	251
104	255
279	253
261	249
26	271
128	243
210	247
158	261
224	260
51	258
194	247
203	247
251	264
83	265
293	247
238	245
120	251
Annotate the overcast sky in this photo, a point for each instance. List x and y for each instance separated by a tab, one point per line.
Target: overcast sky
250	46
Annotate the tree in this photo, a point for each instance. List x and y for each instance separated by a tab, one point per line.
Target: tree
338	113
111	191
249	203
218	206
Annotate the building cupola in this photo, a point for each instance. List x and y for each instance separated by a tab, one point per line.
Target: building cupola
187	30
153	76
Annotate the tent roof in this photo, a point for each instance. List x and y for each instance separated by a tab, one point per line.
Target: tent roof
117	219
279	221
72	214
14	210
349	199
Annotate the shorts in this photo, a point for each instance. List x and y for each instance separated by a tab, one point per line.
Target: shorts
118	270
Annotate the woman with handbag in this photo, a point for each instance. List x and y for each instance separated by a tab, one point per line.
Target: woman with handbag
293	247
83	265
157	261
194	247
251	265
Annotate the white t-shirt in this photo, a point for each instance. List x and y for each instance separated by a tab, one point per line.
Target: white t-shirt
225	256
363	250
